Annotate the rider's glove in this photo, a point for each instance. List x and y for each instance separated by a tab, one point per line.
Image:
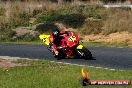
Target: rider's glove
56	53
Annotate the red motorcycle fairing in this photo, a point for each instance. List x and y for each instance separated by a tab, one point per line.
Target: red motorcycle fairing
72	40
68	42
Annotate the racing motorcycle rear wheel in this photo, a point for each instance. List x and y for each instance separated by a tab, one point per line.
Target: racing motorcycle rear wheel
84	53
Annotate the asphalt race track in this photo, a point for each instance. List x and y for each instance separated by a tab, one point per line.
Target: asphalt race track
116	58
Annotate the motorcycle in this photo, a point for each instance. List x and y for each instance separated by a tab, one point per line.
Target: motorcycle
69	47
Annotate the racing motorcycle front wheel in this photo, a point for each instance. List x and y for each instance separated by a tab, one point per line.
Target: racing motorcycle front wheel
60	55
85	53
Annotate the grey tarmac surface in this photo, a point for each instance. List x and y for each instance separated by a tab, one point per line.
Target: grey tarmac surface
115	58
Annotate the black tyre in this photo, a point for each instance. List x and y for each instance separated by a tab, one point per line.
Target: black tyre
85	53
60	56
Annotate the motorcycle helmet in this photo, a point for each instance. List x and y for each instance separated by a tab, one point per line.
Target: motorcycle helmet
56	33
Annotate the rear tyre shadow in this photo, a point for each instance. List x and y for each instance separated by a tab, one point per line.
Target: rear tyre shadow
93	58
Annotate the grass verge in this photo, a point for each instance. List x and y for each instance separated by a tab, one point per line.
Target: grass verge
84	43
104	44
45	74
22	42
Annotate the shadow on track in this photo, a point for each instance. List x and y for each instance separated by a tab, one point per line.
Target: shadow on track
75	58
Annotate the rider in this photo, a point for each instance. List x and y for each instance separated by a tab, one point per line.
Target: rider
56	36
54	41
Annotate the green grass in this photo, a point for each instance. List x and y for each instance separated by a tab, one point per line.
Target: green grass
22	42
106	44
45	74
84	43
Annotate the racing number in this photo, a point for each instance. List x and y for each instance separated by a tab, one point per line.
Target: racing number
72	38
44	39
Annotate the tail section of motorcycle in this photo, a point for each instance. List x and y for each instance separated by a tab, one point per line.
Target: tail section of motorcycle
83	52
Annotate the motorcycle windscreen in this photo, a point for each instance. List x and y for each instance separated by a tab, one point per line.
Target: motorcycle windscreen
72	40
